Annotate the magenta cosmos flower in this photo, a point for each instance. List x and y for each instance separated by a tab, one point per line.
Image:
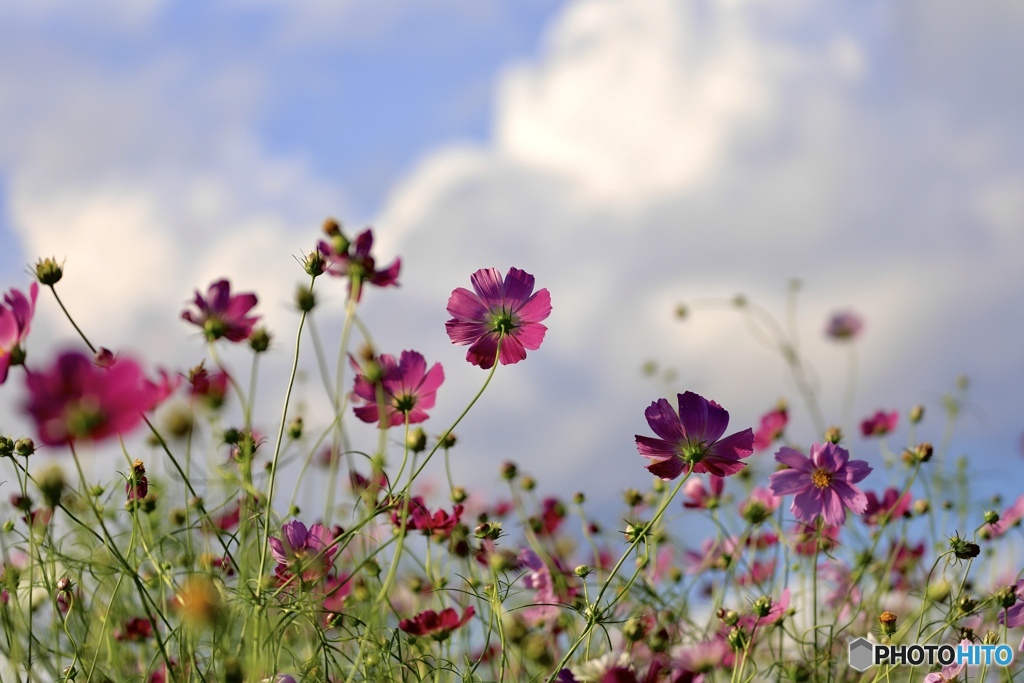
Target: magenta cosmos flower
822	485
692	439
305	552
408	389
844	326
353	260
508	310
15	319
222	315
436	625
879	424
76	400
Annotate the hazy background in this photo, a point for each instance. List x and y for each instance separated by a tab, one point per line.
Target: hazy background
632	155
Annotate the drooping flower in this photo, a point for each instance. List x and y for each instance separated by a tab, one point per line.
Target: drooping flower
308	553
879	424
822	485
508	310
77	400
890	507
353	260
844	326
692	439
222	315
436	625
15	320
407	389
773	423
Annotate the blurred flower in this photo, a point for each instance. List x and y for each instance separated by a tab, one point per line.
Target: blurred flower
408	389
222	315
772	426
212	389
353	260
690	439
439	524
806	540
822	485
891	506
135	629
436	625
949	672
1010	518
76	400
879	424
698	497
759	505
15	319
302	551
137	486
844	325
510	311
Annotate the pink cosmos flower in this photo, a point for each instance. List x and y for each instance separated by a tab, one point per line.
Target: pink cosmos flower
76	400
222	315
15	319
844	326
700	498
949	672
805	540
691	439
759	505
822	485
508	310
306	552
436	625
212	389
772	426
891	507
353	260
409	389
1010	518
439	524
879	424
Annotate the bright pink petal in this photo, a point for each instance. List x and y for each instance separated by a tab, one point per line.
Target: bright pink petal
518	285
462	333
488	285
466	306
531	335
433	379
536	308
512	350
484	351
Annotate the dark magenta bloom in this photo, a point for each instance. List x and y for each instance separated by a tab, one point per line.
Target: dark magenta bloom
222	315
773	424
76	400
15	319
353	260
307	553
409	389
692	439
889	507
419	518
879	424
822	485
844	326
508	310
436	625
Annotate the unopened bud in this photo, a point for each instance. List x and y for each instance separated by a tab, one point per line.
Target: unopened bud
923	452
417	440
582	571
833	435
921	506
991	516
916	414
25	446
509	471
305	300
762	606
528	483
448	440
314	265
888	621
632	497
259	340
103	357
459	494
48	271
295	428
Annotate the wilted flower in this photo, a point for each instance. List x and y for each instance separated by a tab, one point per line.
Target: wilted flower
222	315
436	625
76	400
407	388
879	424
691	439
15	320
508	310
843	326
822	485
353	260
306	552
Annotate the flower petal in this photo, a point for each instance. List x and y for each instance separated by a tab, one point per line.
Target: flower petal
664	420
466	306
667	469
795	459
488	285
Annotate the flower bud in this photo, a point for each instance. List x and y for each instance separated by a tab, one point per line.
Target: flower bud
737	638
417	440
103	358
729	617
8	526
48	271
295	428
528	483
762	606
24	446
923	452
578	498
888	621
964	549
916	414
632	497
634	630
582	571
682	311
833	435
509	471
459	494
1007	596
6	447
259	340
314	264
448	440
921	506
331	227
991	516
305	300
51	483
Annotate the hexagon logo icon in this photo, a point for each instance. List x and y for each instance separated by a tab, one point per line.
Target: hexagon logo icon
861	654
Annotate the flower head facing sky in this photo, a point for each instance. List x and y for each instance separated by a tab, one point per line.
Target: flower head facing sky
692	439
353	260
75	399
408	388
507	309
223	315
822	485
305	552
15	319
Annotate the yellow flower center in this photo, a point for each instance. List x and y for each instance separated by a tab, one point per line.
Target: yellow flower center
821	478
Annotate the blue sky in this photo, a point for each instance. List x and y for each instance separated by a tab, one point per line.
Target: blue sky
631	155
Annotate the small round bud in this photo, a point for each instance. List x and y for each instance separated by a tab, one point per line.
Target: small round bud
295	428
528	483
314	264
991	516
634	630
947	504
331	226
682	311
459	494
417	440
921	506
582	571
1007	596
964	549
294	511
888	622
70	673
916	414
259	340
578	498
833	435
51	483
509	471
6	446
448	440
632	497
923	452
103	358
635	531
658	485
762	606
64	584
48	271
729	617
967	604
371	567
305	300
25	446
8	526
737	638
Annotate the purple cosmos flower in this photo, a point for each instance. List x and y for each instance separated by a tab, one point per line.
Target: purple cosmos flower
76	400
353	260
509	310
691	439
409	389
222	315
949	672
15	320
306	552
844	326
879	424
436	625
822	485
